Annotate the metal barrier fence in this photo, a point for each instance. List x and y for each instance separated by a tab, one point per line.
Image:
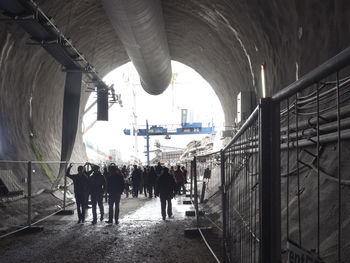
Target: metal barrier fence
30	192
284	175
208	184
314	151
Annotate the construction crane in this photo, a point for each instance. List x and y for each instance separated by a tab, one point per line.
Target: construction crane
157	130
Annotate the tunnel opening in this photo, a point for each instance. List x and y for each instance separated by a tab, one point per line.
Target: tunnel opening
189	100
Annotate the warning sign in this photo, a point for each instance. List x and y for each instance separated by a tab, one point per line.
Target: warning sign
297	254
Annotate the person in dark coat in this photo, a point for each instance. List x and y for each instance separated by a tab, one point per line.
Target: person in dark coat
145	176
80	182
141	180
136	177
165	189
87	171
97	185
125	171
115	183
152	178
184	171
180	180
158	169
105	175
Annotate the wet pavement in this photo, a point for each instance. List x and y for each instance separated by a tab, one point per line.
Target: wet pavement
141	236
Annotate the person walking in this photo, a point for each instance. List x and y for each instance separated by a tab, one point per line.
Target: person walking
152	178
165	189
97	184
115	187
158	169
105	175
136	177
184	171
141	183
180	181
80	182
145	176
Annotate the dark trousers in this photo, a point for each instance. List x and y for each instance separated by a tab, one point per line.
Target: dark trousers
145	189
87	200
163	203
97	199
135	189
81	204
178	188
150	190
114	200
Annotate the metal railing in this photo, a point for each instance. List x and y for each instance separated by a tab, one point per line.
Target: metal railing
30	193
284	175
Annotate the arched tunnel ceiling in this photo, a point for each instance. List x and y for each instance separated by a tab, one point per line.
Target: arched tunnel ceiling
225	41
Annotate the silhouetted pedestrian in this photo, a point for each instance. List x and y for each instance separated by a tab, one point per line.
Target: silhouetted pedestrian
152	178
158	169
180	181
97	184
136	177
115	188
145	176
165	189
106	174
141	184
184	171
87	171
80	182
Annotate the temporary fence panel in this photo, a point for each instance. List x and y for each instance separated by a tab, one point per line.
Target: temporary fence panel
30	192
240	164
13	196
315	133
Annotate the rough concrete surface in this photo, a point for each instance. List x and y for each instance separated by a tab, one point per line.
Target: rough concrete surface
224	41
141	236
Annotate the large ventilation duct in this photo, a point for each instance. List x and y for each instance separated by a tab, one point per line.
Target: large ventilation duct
140	27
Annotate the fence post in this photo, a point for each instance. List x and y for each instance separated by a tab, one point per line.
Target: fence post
195	189
223	203
65	188
29	189
191	187
269	181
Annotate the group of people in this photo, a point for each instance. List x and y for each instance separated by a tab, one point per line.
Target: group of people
143	179
89	182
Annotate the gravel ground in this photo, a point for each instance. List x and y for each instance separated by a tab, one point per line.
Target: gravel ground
141	236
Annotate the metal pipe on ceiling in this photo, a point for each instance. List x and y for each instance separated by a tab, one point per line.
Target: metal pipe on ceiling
140	26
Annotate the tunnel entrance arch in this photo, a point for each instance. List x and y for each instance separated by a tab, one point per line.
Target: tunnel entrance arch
187	90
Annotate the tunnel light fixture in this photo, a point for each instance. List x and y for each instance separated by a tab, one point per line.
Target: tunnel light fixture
263	81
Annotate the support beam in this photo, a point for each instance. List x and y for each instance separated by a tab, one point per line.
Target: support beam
102	103
70	120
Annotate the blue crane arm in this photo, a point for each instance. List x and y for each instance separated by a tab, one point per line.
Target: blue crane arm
194	128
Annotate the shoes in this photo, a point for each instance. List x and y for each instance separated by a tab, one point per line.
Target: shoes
101	218
109	222
83	221
163	217
79	221
117	222
94	222
170	216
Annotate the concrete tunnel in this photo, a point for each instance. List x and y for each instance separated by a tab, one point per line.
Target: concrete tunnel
226	42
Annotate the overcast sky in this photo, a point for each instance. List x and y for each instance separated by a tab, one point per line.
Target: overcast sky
189	91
